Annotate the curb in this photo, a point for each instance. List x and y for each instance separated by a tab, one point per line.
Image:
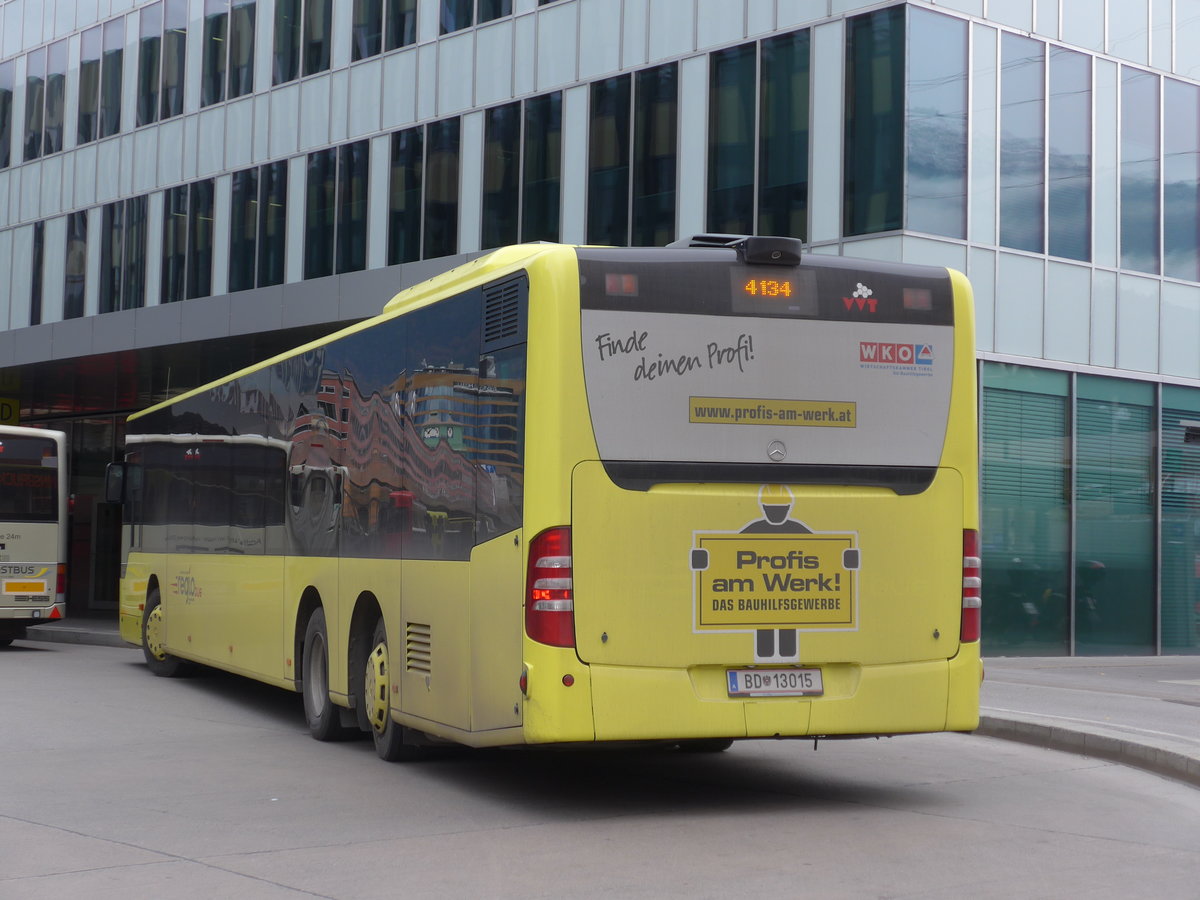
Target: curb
1156	760
65	634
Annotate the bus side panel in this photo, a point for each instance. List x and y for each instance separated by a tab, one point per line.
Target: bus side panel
497	581
235	609
428	642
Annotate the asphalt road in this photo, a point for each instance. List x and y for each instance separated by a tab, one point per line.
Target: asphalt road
117	784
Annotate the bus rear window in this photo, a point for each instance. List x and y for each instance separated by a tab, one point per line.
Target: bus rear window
28	479
694	358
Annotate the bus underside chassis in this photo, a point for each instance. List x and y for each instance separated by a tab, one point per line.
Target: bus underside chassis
369	658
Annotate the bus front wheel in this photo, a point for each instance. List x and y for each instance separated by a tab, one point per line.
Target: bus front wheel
154	647
389	739
324	717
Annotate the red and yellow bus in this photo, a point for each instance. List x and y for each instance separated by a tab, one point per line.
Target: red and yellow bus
567	495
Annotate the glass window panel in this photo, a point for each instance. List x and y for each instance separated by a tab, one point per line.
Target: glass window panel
1070	154
133	267
731	139
655	148
200	239
174	58
272	223
56	97
241	48
286	64
36	262
353	170
456	15
149	63
608	162
501	175
1139	170
112	230
6	108
35	101
1180	522
174	243
441	190
874	149
1114	517
542	168
366	34
243	231
783	136
317	15
320	211
494	9
404	196
89	86
76	265
216	40
1022	143
1181	180
400	23
110	77
937	124
1024	459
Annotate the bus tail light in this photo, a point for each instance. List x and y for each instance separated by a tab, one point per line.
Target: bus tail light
549	591
60	584
972	596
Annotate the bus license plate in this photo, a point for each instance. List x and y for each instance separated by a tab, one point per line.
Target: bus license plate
775	682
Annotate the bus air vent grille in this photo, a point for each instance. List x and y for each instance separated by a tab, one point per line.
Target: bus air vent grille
418	644
504	313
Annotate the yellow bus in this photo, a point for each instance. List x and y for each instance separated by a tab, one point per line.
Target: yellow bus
34	496
567	495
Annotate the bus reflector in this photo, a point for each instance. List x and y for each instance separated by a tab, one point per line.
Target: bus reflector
549	591
972	595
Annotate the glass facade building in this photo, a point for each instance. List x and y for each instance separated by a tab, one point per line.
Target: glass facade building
189	185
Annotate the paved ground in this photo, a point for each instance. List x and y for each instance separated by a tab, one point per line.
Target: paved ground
1137	710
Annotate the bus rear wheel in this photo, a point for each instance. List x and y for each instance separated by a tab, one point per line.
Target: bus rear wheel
158	660
323	716
389	737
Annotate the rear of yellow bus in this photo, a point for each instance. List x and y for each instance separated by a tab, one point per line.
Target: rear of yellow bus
751	506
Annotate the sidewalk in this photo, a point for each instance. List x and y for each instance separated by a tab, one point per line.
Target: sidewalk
1140	711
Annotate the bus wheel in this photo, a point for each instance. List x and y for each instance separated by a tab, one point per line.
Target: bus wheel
388	736
706	745
158	660
4	642
324	717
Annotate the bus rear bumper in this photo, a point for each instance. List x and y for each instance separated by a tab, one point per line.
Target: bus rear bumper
12	616
631	704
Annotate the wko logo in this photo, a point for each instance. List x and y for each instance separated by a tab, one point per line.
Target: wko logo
895	354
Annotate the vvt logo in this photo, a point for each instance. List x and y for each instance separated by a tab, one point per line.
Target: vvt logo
895	354
862	299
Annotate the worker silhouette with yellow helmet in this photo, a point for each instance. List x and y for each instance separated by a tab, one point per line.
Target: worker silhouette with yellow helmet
776	644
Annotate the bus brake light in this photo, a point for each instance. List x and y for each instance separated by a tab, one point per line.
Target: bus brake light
972	595
549	591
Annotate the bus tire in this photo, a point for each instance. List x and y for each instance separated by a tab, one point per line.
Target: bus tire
706	745
389	736
158	660
4	642
323	715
